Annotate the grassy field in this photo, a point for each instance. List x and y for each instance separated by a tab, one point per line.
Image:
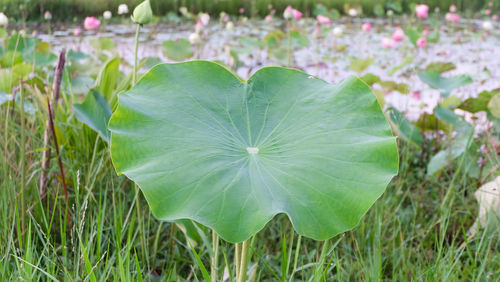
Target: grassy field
416	231
70	9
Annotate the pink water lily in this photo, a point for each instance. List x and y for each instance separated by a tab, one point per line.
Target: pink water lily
91	23
487	11
494	17
426	32
387	42
452	17
398	35
288	13
366	27
453	8
323	20
422	11
296	14
268	18
422	42
77	31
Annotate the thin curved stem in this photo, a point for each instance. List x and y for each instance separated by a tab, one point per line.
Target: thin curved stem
134	73
245	257
215	258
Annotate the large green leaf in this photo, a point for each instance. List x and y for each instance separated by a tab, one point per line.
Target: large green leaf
178	50
203	144
444	84
95	113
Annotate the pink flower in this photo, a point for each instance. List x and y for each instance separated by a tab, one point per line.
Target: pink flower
426	32
453	8
422	42
451	17
490	4
288	12
91	23
487	11
398	35
422	11
242	10
323	20
387	42
366	27
269	18
296	14
77	31
494	17
416	95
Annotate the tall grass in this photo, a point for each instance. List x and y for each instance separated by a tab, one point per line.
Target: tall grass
415	231
70	9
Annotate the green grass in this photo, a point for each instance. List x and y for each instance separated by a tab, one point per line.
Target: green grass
415	231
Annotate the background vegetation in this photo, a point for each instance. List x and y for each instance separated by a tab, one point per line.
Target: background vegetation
69	9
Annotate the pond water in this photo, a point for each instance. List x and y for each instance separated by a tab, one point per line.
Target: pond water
472	51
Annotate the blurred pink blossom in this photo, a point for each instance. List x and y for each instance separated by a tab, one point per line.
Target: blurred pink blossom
452	17
453	8
398	35
77	31
422	11
269	18
426	32
416	95
366	27
387	42
494	17
487	11
422	42
296	14
91	23
323	20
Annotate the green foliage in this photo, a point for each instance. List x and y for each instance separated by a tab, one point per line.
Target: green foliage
178	50
95	113
404	128
359	65
480	103
204	145
444	84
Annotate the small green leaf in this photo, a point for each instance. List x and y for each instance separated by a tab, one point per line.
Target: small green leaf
440	67
102	43
95	113
370	78
494	106
444	84
359	65
406	61
178	50
480	103
405	129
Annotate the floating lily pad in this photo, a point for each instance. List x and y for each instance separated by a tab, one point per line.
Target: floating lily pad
178	50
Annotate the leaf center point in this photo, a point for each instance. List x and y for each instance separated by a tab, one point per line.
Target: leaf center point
252	150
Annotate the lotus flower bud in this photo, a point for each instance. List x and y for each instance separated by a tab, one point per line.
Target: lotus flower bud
3	19
142	13
122	9
106	15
